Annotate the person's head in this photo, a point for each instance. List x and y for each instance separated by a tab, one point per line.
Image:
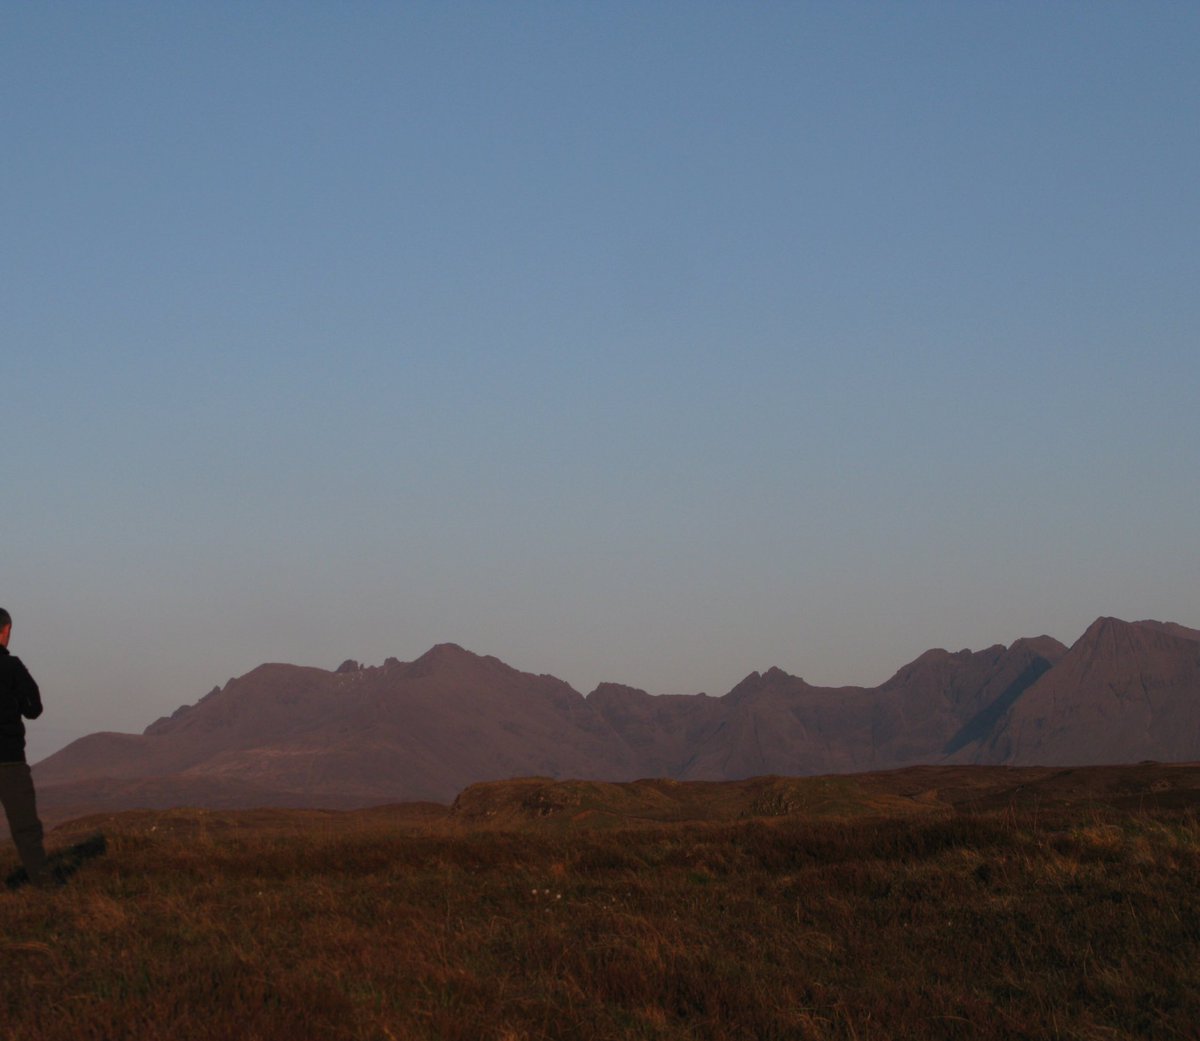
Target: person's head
5	627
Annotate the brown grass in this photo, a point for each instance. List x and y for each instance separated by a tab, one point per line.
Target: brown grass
1005	924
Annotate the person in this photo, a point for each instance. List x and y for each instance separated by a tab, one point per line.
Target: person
20	699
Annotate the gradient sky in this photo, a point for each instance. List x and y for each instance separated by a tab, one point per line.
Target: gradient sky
651	342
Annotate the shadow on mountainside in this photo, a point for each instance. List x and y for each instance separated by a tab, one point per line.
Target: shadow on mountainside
983	724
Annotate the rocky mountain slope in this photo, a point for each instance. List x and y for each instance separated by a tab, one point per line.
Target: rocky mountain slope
424	730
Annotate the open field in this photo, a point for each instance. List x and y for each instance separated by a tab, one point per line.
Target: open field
923	904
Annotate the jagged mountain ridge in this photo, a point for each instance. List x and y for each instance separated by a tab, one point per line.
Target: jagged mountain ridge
1122	693
426	729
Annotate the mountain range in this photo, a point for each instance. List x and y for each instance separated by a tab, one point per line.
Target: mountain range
288	735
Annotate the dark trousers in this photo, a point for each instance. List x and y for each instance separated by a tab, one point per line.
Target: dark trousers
20	805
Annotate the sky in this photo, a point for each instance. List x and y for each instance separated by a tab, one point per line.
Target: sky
653	343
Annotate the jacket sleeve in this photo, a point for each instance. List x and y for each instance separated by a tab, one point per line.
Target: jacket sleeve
29	698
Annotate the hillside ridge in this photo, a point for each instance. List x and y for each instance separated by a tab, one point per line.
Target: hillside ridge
427	729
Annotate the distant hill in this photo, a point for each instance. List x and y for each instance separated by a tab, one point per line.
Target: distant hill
285	735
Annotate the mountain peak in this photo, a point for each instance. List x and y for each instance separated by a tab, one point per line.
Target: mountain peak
617	692
1105	634
772	681
1171	628
1045	646
447	654
450	658
1105	623
447	650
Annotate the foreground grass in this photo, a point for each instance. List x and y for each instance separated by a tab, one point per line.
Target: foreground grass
984	926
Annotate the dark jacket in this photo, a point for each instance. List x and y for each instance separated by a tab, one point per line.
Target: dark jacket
19	696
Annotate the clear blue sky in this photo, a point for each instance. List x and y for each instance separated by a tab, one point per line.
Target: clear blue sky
650	342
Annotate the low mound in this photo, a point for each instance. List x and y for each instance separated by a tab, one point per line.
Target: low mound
660	801
896	793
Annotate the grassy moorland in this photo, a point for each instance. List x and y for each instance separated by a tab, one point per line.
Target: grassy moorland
533	911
